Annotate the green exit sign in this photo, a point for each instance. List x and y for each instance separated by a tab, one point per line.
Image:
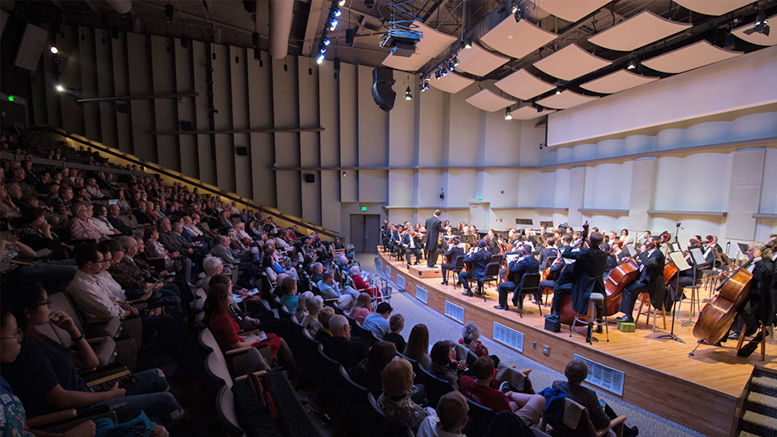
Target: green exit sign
364	208
480	197
10	98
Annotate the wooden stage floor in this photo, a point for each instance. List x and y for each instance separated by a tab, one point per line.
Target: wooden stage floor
699	392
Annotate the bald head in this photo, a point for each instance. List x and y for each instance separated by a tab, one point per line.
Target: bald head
338	325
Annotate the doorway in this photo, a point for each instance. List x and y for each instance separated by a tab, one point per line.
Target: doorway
365	232
478	215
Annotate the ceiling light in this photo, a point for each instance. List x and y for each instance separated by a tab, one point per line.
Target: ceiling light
558	91
468	44
518	12
337	12
443	71
456	61
341	3
408	94
60	88
327	41
333	24
508	114
54	50
320	59
451	65
631	65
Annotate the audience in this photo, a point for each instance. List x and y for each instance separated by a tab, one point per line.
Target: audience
349	351
377	322
444	365
396	399
396	325
418	346
368	372
361	309
451	417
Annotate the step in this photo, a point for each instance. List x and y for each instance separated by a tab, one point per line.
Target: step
764	384
759	424
762	404
747	434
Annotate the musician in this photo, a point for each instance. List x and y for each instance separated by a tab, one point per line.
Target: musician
433	229
624	234
518	268
493	242
760	304
544	232
612	262
412	244
479	258
454	252
395	240
612	237
651	281
564	242
686	277
548	252
644	239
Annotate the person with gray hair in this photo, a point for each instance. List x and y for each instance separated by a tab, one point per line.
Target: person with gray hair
330	289
341	347
314	306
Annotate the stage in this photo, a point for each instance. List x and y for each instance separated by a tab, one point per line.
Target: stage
699	392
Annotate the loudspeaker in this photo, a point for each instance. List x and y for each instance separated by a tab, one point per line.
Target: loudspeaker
349	34
33	42
186	126
382	80
310	178
241	151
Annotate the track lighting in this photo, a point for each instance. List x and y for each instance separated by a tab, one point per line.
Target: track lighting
408	94
508	114
320	59
558	91
326	41
341	3
631	65
333	24
54	50
60	88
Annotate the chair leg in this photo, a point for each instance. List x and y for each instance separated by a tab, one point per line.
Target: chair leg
763	342
538	296
741	336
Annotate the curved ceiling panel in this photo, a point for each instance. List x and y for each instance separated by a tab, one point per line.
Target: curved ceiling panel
517	39
639	30
431	45
529	113
489	101
617	82
570	10
755	37
565	100
523	85
689	57
451	83
570	63
713	7
479	61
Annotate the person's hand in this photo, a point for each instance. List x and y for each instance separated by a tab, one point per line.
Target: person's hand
174	254
163	273
61	320
117	392
643	248
45	226
84	429
11	239
133	311
461	365
159	285
190	250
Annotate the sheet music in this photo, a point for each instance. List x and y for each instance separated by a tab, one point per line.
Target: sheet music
679	260
630	250
698	256
512	257
743	247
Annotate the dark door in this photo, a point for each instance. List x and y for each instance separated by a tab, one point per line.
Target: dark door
365	232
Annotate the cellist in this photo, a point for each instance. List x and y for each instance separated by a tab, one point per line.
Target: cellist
651	281
449	262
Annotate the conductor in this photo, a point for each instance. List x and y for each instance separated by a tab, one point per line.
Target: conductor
433	229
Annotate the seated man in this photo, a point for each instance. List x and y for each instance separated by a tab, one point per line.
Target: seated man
377	322
341	347
479	259
450	419
412	244
116	222
518	269
525	406
80	226
576	372
331	290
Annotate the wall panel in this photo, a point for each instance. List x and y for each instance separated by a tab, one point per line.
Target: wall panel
262	148
349	122
222	102
430	127
184	83
121	88
502	144
70	67
287	154
205	150
165	112
464	136
309	141
401	130
329	119
89	88
373	123
105	87
240	120
141	111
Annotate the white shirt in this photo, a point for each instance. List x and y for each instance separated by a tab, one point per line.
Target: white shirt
429	428
103	226
751	267
106	280
89	295
193	231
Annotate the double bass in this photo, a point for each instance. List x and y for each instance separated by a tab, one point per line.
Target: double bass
567	313
719	313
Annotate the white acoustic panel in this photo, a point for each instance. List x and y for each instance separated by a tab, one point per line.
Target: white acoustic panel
523	85
689	57
479	61
570	63
421	294
529	113
713	7
451	83
517	39
454	311
639	30
508	337
432	44
488	101
570	10
566	99
604	377
617	82
756	38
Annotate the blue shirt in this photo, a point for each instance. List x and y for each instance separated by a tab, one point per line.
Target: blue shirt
12	417
376	324
291	301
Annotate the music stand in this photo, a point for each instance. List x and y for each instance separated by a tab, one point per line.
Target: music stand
682	265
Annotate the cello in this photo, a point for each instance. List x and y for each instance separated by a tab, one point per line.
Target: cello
719	313
567	313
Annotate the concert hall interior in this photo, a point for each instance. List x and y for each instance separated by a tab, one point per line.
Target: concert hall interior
532	121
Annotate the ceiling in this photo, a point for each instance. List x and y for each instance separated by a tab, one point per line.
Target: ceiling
581	60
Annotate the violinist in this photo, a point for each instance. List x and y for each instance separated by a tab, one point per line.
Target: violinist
412	244
479	258
548	252
685	277
644	239
449	263
617	251
612	237
612	262
544	232
518	268
760	304
651	281
564	242
493	242
587	272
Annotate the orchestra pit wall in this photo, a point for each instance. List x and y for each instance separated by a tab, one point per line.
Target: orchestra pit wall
435	143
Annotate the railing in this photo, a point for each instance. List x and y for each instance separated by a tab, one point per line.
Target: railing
121	158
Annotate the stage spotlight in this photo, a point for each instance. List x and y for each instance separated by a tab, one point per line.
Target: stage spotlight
558	91
468	44
320	59
332	24
451	66
322	50
508	114
443	71
54	50
631	65
60	88
337	12
517	12
341	3
326	41
408	94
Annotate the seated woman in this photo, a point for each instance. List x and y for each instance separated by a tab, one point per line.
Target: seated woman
362	308
290	298
396	401
576	372
273	267
302	306
93	189
218	316
314	305
324	317
396	325
45	374
442	366
211	266
418	346
470	338
368	372
37	234
135	281
360	285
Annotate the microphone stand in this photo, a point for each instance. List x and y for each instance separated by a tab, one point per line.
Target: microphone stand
674	311
690	312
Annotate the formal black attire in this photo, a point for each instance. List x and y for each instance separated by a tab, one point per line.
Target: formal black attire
545	255
760	304
479	259
651	281
562	286
144	218
119	225
348	352
518	269
433	229
588	275
414	250
452	254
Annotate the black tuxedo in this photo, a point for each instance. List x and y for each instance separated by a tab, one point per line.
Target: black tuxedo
452	254
415	250
588	275
479	259
518	269
433	229
651	280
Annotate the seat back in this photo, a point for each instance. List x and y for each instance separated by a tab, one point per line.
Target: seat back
530	281
380	424
216	368
435	387
207	340
412	361
492	269
459	264
60	302
497	259
308	350
225	408
464	354
574	422
364	334
481	417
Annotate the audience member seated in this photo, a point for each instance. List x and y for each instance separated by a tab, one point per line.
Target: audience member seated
8	208
225	329
330	289
273	264
450	420
576	372
290	298
36	233
229	257
80	228
396	399
314	305
61	204
527	407
367	373
394	335
443	366
377	322
470	338
418	346
349	351
361	308
360	285
138	284
100	221
211	266
324	317
51	273
142	215
316	272
116	222
176	245
155	249
45	374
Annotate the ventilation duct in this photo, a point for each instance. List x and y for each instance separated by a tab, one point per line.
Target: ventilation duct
281	15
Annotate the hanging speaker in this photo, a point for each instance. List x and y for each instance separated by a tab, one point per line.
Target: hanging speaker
382	80
33	42
241	151
310	178
349	34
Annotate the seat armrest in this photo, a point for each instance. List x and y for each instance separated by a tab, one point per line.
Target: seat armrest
616	423
237	351
57	416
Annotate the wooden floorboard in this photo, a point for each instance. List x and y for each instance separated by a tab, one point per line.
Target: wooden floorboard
699	392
